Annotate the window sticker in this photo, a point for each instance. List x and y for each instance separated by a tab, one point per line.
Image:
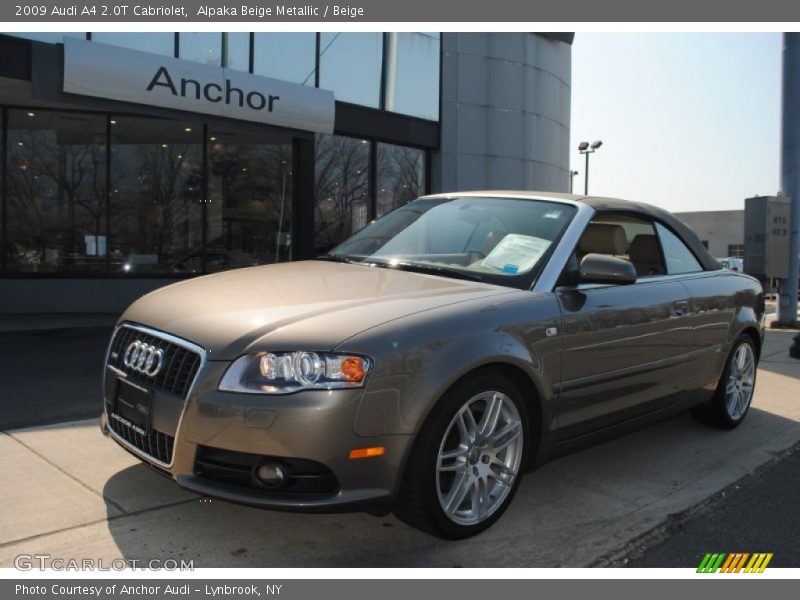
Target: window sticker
516	253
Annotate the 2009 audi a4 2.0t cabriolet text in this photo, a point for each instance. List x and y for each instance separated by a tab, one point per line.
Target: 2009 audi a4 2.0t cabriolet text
426	363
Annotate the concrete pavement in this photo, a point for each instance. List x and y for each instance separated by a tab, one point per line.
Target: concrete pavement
68	492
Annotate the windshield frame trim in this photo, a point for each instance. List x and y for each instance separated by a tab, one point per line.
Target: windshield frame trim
565	246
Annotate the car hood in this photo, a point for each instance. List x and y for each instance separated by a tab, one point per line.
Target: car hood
310	305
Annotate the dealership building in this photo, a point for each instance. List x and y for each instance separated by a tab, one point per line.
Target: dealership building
131	160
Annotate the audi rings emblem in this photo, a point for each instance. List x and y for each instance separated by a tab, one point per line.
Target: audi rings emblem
143	358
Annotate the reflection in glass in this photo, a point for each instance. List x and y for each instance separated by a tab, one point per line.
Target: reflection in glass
250	193
495	240
412	74
51	37
157	43
156	195
286	56
342	189
350	65
401	176
205	48
237	51
56	191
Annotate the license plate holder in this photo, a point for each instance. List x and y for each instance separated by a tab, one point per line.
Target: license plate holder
135	405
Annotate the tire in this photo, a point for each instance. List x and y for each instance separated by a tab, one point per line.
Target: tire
731	400
452	457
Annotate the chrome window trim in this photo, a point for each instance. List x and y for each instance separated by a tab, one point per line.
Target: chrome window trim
639	281
646	279
173	340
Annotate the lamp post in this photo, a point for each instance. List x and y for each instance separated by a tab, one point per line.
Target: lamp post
586	148
790	173
283	203
572	179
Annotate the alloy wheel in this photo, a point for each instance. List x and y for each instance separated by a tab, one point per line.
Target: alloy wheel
740	383
479	458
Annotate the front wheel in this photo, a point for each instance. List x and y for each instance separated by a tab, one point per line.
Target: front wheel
467	461
731	400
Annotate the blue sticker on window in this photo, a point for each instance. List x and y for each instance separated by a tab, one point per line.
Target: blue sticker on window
510	269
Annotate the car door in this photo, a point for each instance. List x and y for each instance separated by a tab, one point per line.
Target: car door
625	347
713	297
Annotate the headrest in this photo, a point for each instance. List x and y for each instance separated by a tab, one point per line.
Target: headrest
644	248
603	238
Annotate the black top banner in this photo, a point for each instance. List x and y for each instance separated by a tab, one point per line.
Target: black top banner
50	11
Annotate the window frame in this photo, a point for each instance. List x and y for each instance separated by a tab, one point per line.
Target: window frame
639	279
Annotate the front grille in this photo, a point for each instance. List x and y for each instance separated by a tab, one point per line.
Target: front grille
156	444
177	373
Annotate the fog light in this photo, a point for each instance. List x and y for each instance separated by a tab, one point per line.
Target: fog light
271	474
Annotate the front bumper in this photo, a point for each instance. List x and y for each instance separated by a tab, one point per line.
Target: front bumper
316	425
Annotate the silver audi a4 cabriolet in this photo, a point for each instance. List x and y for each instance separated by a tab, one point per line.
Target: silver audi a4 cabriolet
426	363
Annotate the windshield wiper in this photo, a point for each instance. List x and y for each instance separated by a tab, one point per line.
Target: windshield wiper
425	268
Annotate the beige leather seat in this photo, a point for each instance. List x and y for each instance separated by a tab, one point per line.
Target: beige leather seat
603	238
645	255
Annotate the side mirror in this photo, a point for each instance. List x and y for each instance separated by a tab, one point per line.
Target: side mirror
602	268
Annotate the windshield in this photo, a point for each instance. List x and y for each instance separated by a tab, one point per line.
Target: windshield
496	240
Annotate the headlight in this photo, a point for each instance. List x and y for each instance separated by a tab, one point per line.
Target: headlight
286	372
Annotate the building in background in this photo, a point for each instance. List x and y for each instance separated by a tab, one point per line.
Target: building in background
721	231
766	238
130	160
758	235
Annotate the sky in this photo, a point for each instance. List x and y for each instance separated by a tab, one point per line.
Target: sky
689	121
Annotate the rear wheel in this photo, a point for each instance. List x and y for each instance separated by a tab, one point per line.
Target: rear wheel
467	461
734	392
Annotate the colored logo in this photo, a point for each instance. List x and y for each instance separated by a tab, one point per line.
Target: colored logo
737	562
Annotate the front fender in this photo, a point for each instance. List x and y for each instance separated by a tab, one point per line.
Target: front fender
417	359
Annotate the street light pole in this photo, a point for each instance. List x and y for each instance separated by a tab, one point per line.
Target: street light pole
790	171
586	175
586	148
572	179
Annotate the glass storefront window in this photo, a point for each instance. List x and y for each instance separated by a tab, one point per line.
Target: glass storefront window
50	37
205	48
341	206
237	51
156	196
401	176
350	65
56	192
412	74
250	199
157	43
286	56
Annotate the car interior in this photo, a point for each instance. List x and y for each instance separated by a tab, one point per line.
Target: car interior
626	237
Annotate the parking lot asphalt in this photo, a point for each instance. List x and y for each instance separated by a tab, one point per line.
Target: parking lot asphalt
757	514
68	492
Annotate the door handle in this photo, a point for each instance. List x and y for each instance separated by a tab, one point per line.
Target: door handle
681	308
